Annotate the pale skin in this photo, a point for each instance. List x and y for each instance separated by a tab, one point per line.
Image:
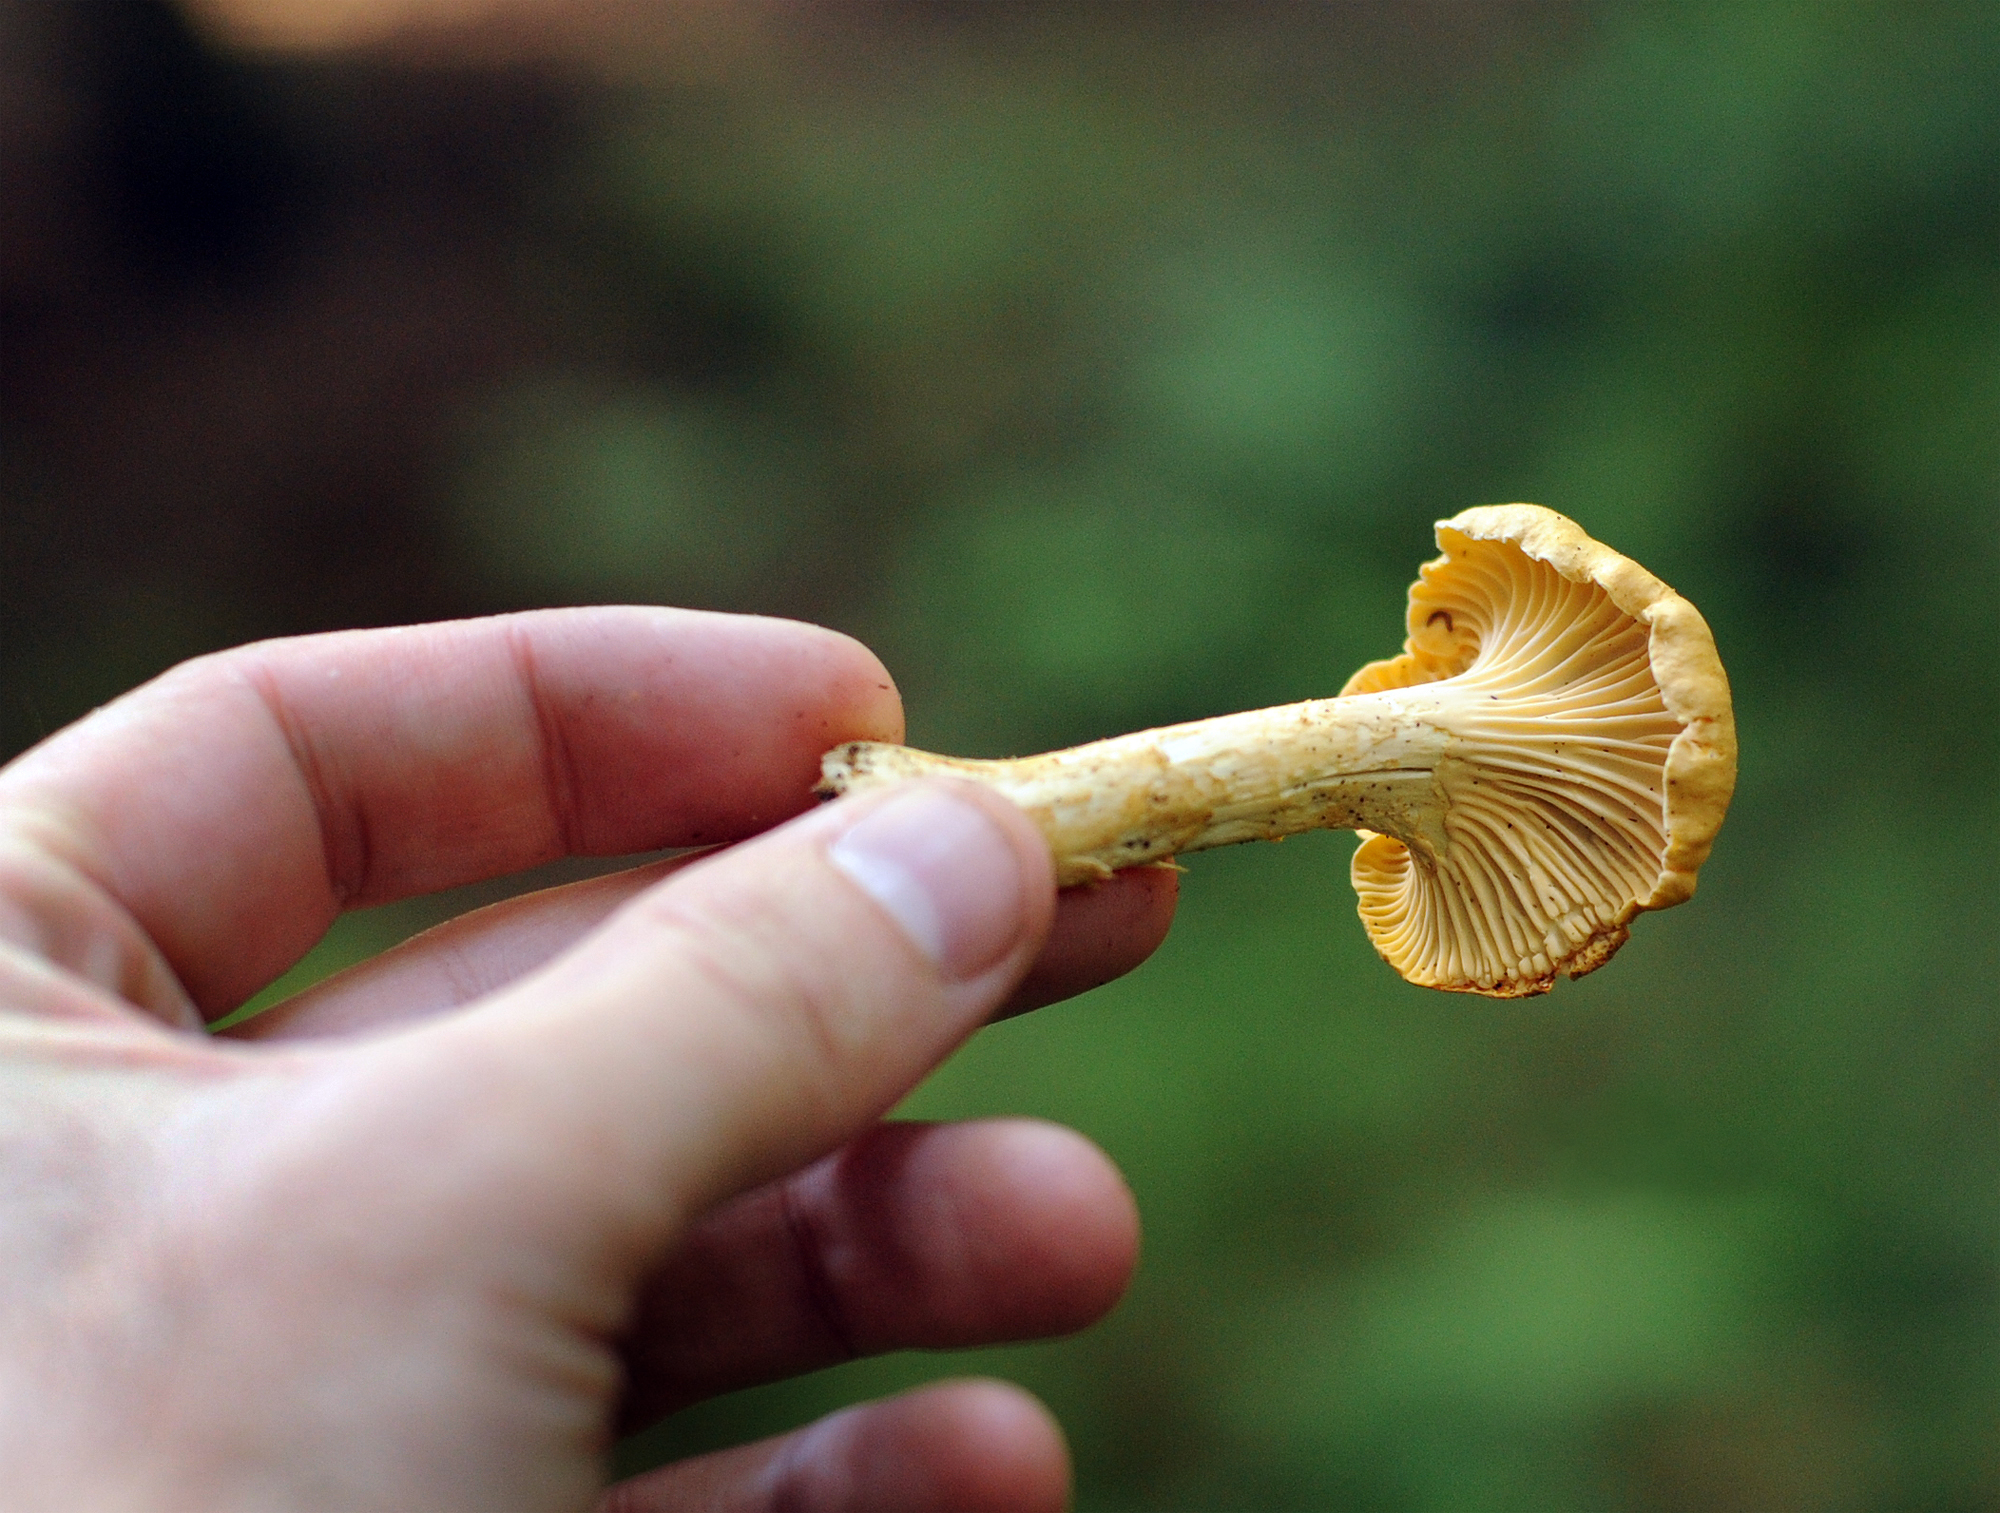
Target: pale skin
433	1234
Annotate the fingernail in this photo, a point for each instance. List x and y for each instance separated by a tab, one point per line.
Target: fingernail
944	872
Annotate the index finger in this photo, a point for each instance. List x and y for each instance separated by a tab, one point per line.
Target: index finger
237	804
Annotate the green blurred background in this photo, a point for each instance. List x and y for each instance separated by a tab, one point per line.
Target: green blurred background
1106	365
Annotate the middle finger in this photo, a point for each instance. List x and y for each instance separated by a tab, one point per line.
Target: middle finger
916	1236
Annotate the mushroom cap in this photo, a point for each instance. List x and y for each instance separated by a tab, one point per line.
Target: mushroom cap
1591	756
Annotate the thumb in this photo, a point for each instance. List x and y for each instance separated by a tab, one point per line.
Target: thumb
752	1012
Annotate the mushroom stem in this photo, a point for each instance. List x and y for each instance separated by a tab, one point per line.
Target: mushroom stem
1366	762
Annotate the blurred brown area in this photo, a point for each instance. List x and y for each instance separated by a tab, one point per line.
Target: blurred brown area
239	299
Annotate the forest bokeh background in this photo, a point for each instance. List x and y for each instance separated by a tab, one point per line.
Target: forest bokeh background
1103	366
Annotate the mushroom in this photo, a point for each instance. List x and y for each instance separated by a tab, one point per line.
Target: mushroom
1552	754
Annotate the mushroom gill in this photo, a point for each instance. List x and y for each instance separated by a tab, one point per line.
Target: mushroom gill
1555	819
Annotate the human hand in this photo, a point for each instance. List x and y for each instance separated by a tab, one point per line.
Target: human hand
425	1236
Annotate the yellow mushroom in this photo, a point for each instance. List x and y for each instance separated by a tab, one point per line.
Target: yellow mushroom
1552	754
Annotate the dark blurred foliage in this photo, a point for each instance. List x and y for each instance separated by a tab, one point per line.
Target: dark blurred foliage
1106	365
